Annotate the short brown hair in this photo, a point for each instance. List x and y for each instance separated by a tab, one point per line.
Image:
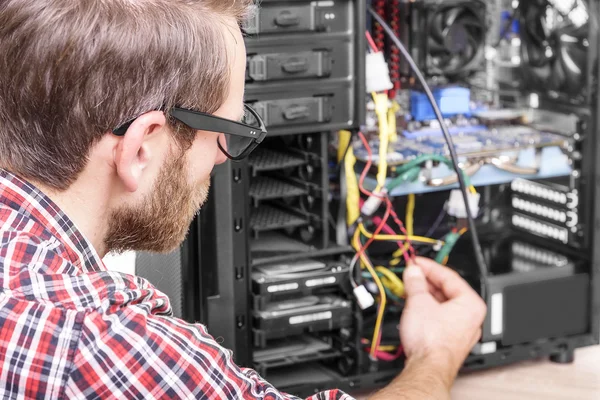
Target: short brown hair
72	70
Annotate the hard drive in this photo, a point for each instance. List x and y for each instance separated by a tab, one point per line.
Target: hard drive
297	277
296	316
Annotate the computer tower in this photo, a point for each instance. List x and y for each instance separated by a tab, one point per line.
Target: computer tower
268	240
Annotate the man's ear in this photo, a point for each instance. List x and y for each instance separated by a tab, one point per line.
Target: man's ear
133	151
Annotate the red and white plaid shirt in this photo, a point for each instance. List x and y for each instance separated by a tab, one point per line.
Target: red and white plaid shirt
71	329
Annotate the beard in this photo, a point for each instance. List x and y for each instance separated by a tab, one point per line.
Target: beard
161	222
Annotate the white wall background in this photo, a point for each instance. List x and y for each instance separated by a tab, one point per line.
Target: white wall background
121	262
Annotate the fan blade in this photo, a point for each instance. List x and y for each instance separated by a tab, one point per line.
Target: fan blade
572	61
576	51
471	23
450	16
557	78
472	48
533	25
453	65
463	60
533	52
437	27
580	33
441	61
538	76
435	47
476	34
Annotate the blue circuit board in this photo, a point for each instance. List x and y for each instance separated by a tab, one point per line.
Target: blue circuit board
473	141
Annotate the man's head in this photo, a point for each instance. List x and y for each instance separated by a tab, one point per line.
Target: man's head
71	71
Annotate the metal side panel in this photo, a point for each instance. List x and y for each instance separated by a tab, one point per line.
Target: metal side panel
224	261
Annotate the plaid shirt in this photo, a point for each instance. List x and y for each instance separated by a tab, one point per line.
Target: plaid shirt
71	329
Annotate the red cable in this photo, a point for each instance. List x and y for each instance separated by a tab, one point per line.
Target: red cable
365	171
388	229
364	191
403	230
371	43
379	228
386	215
383	355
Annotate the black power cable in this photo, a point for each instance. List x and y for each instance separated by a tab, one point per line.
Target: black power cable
461	181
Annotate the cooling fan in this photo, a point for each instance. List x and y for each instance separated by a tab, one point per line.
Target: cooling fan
455	41
555	45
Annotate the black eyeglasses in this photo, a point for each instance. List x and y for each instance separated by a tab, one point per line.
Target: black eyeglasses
241	137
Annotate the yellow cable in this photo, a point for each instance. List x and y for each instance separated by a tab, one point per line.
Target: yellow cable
472	189
364	232
395	261
391	281
381	109
382	296
400	252
388	348
410	212
392	128
352	192
344	138
409	222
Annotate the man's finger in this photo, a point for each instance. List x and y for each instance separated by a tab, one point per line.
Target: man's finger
414	281
435	292
439	296
445	279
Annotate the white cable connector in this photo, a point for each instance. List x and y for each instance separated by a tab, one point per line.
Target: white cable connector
378	73
373	203
456	204
363	297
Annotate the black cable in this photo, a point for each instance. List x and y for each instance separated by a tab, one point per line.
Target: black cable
461	181
436	224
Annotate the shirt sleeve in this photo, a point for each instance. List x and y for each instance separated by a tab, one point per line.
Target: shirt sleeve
135	355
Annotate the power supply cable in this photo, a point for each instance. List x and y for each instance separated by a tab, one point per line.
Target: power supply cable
436	224
372	46
454	157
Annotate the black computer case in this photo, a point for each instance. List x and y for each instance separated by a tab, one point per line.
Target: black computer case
305	76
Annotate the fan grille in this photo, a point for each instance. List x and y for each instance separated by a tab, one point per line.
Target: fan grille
455	42
555	46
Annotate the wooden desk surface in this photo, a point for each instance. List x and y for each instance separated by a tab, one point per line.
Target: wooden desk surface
533	380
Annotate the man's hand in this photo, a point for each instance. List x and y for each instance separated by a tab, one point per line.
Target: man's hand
440	324
442	319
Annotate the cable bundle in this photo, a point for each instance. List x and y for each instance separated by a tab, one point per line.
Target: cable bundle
386	283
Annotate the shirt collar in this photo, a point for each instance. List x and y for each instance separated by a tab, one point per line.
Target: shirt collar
28	200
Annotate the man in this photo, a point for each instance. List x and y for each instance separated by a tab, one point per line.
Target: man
94	159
